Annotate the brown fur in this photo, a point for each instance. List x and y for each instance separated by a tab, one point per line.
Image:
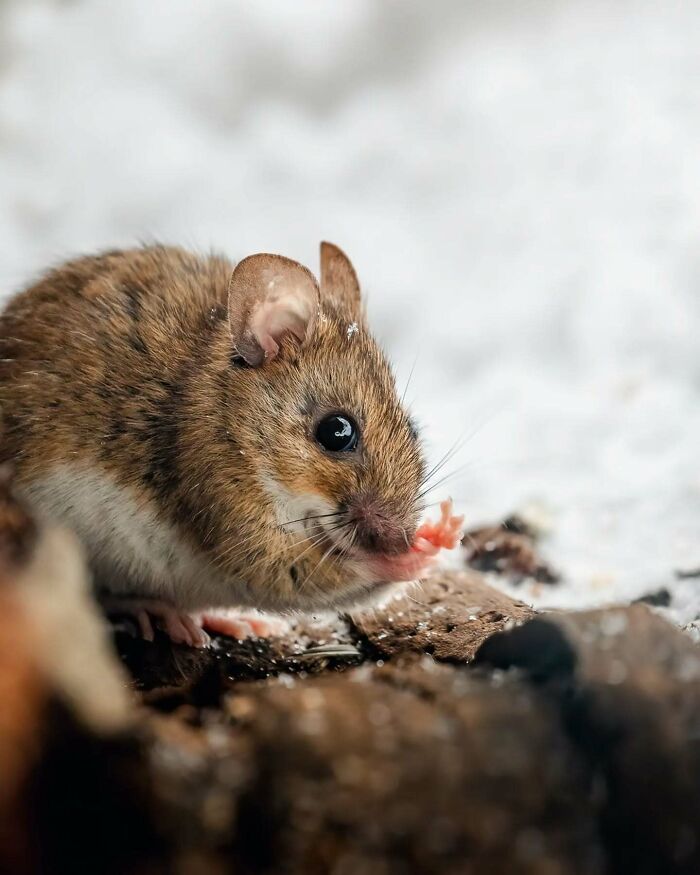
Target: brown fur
123	362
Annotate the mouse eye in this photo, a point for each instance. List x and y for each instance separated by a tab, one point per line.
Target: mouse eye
337	433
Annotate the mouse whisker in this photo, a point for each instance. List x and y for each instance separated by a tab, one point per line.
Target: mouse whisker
317	516
425	507
317	566
410	375
456	447
329	551
243	542
444	479
342	554
345	551
415	601
230	550
318	534
318	539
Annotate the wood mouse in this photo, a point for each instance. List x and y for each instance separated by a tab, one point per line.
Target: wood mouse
216	435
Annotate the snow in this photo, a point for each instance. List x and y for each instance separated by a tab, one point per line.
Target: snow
518	185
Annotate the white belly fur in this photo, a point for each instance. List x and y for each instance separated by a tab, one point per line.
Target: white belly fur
133	551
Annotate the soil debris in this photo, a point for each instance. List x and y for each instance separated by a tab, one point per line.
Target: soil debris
508	549
659	598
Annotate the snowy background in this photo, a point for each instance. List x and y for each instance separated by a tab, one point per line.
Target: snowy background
518	184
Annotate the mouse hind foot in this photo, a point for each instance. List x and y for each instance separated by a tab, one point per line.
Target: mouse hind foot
243	624
184	628
149	614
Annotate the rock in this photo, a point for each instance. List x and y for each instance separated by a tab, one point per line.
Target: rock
409	767
627	685
449	616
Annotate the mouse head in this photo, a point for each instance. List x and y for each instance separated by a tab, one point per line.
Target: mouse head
341	465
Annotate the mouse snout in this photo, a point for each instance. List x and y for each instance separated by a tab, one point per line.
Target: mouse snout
378	529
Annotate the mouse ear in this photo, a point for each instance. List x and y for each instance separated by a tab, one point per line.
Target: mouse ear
270	296
339	281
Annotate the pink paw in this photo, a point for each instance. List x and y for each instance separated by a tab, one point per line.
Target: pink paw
240	625
179	626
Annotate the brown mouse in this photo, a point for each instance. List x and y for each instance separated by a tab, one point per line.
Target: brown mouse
217	436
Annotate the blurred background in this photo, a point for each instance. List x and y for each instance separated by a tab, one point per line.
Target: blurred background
517	182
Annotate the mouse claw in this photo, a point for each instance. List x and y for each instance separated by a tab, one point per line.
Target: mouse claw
145	625
179	626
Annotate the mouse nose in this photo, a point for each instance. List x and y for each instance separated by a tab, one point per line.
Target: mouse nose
378	530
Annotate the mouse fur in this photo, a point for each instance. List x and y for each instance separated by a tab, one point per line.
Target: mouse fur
162	404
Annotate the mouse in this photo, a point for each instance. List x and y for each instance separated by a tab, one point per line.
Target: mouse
224	438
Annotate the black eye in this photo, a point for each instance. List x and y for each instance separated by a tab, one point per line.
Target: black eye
337	433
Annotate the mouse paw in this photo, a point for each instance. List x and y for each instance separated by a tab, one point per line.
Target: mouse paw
179	626
241	625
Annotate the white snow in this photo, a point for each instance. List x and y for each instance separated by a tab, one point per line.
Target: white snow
517	183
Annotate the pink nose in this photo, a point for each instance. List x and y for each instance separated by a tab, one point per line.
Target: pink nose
378	531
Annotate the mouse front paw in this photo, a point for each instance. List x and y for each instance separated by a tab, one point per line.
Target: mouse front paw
179	626
242	625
